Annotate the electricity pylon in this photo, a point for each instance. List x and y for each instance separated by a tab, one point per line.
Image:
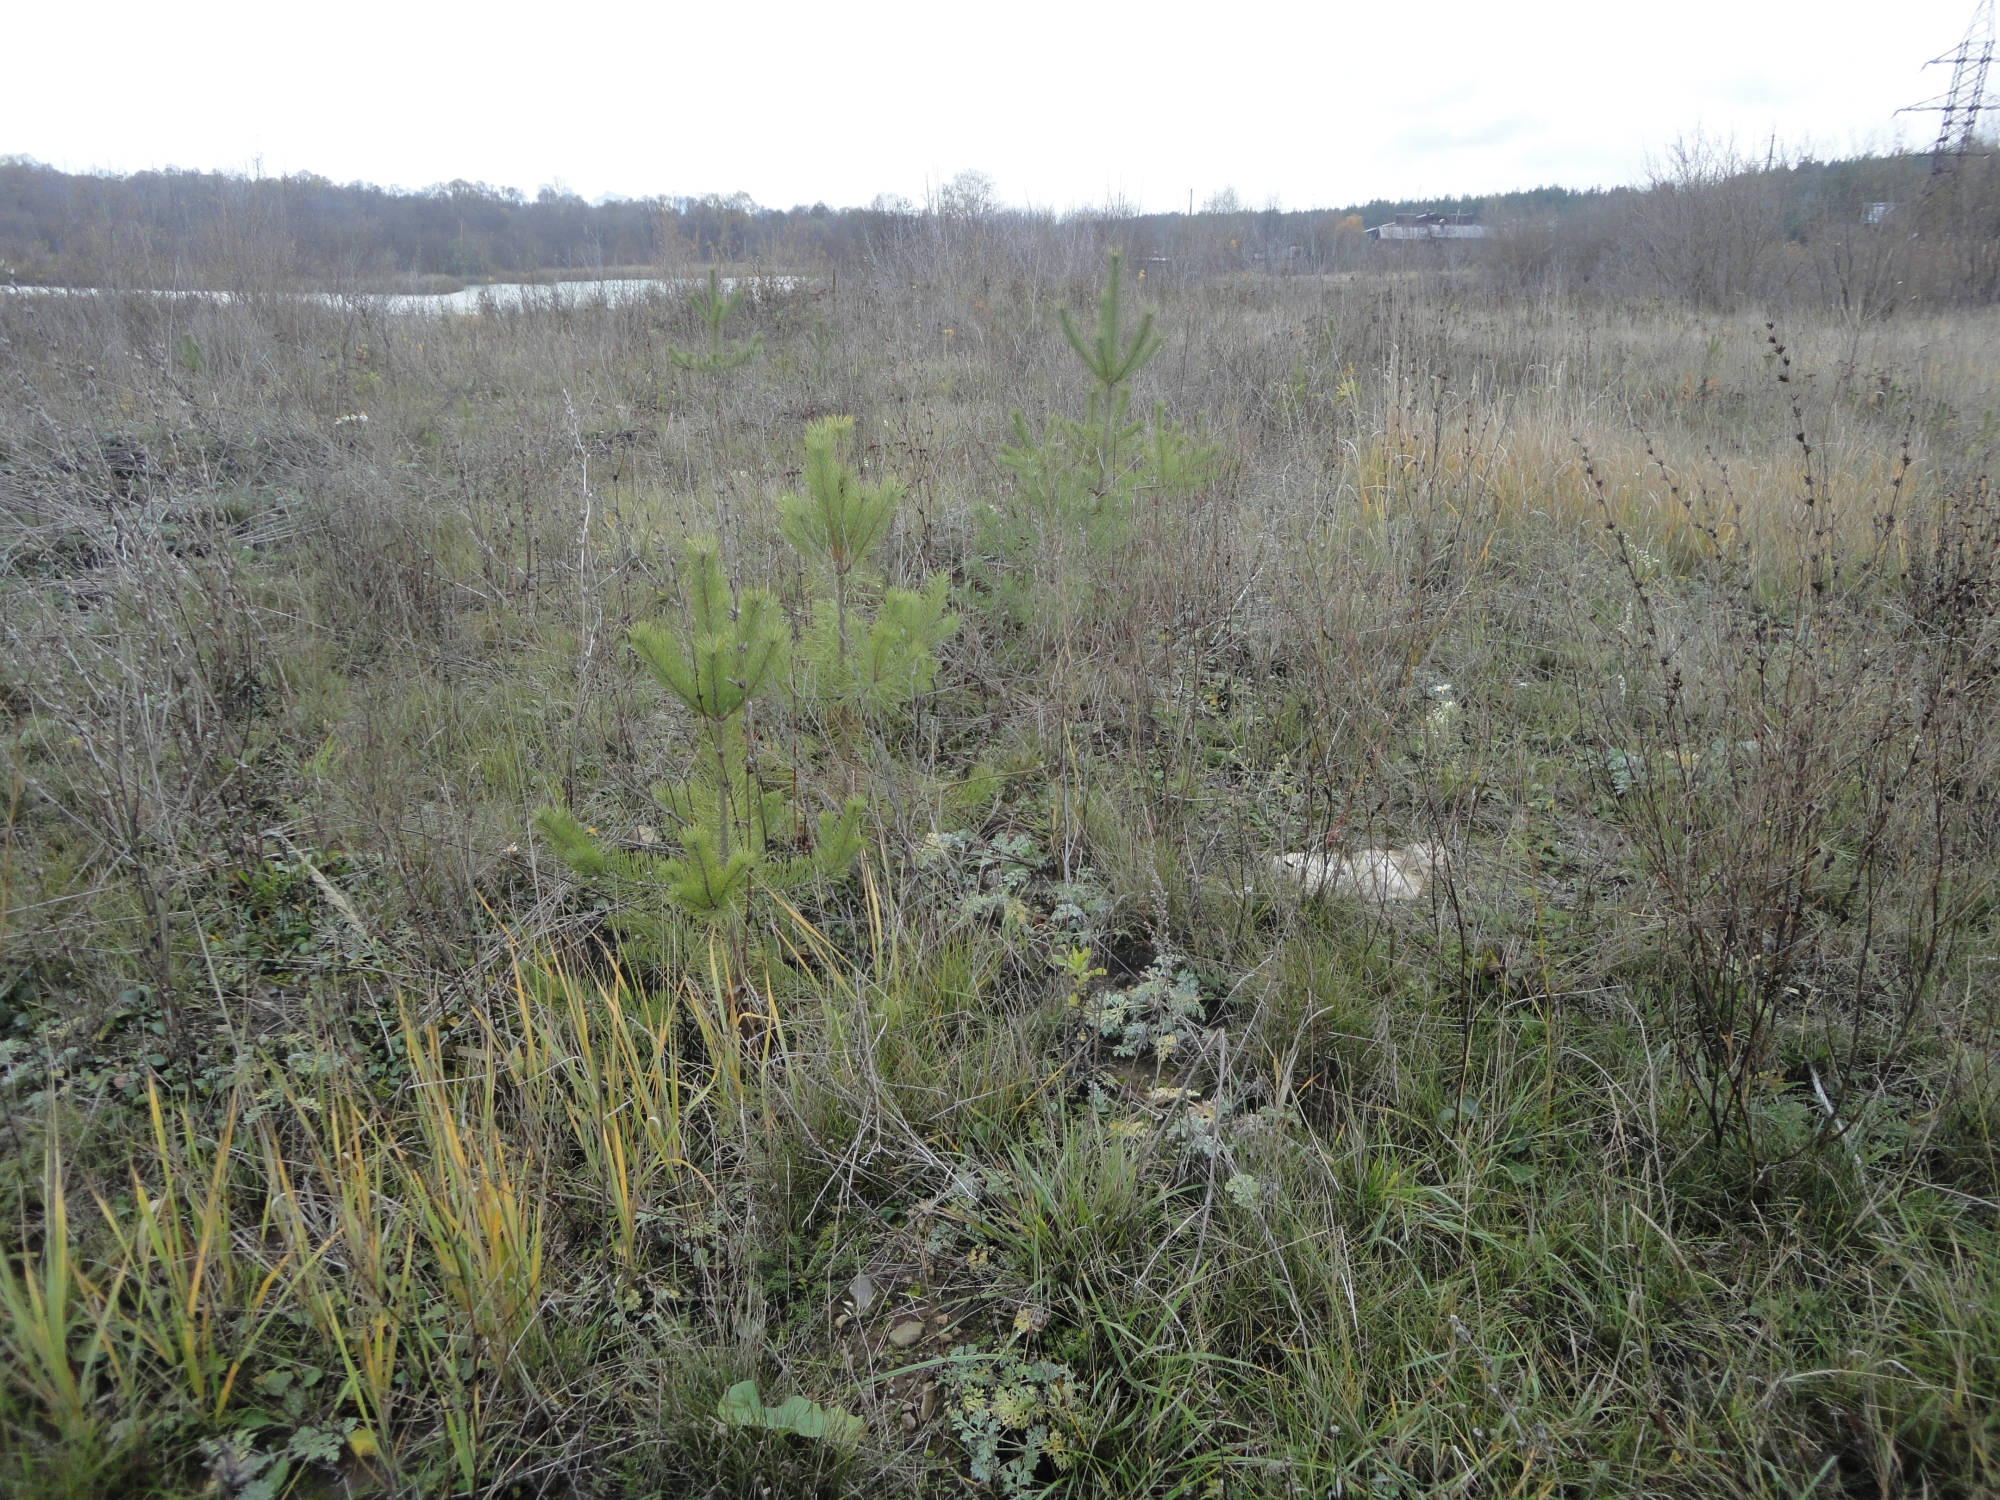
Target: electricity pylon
1961	103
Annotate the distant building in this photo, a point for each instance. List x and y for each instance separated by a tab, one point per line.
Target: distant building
1430	227
1875	213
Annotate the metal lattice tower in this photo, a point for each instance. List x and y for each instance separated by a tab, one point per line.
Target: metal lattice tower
1961	103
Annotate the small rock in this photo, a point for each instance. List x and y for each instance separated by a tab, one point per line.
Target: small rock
909	1422
906	1332
927	1404
1374	874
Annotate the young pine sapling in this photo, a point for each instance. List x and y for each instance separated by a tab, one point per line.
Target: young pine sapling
1112	362
1075	484
714	309
724	818
836	525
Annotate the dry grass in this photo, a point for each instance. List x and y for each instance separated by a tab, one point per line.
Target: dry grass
1651	1152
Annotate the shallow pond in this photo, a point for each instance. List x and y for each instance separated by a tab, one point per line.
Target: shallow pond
499	296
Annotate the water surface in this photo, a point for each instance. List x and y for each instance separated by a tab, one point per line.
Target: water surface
497	296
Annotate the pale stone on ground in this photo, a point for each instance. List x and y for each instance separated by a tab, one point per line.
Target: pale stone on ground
1374	874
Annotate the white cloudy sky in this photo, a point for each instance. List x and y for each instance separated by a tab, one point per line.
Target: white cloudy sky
1062	102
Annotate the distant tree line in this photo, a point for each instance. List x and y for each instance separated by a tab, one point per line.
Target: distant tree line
58	226
1709	228
64	227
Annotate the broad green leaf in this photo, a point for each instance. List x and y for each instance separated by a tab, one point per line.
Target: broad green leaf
741	1406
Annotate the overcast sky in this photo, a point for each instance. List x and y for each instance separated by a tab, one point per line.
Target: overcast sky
1061	102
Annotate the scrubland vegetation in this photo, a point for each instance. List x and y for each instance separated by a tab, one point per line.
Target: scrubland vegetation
610	901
